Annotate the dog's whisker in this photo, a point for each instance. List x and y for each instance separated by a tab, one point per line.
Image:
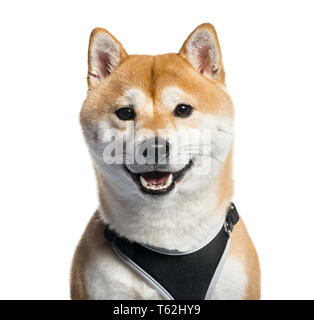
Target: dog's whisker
225	131
213	157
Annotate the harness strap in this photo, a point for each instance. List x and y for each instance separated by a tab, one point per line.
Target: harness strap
178	277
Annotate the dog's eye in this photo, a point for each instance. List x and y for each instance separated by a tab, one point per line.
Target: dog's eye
183	110
125	113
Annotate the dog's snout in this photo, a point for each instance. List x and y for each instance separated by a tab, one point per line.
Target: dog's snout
160	148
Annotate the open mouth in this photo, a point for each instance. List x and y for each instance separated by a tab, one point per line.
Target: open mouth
158	182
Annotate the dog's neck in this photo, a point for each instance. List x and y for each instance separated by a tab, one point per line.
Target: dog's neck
183	224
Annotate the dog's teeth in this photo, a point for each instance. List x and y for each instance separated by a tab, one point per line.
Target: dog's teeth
146	185
169	181
143	182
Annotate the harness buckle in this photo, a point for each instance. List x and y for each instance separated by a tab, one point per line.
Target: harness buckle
227	228
232	218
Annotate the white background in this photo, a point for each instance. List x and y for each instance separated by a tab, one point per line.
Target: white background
47	184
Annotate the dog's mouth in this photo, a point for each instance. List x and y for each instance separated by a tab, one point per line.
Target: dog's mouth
158	182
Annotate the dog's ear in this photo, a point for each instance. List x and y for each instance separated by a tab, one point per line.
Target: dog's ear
105	53
202	50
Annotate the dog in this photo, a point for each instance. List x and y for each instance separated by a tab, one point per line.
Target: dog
176	204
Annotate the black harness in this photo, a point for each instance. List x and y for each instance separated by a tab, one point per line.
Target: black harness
178	275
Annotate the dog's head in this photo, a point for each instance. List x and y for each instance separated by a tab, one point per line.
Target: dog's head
157	126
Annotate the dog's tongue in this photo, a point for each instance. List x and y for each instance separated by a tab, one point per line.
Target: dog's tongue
156	177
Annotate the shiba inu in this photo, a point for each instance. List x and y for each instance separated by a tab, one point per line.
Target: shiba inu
154	188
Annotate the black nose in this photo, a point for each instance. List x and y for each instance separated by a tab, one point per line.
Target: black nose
160	148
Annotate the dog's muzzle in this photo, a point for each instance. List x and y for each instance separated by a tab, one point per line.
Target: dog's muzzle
155	176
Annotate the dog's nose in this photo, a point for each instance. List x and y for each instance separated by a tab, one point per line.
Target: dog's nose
161	149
